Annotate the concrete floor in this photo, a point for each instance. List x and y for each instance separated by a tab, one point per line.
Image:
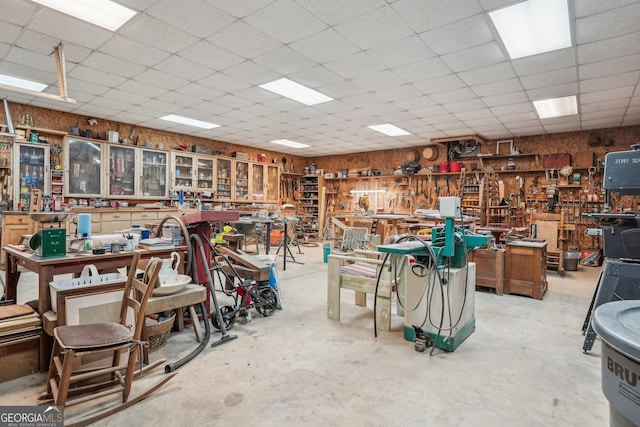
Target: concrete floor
523	366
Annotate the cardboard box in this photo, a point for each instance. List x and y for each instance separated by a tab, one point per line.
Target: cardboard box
19	355
585	159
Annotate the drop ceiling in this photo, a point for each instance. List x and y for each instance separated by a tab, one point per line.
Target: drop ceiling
436	69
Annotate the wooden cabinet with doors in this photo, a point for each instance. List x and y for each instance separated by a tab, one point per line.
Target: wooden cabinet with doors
14	226
526	268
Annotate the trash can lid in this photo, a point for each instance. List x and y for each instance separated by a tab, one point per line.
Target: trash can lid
618	324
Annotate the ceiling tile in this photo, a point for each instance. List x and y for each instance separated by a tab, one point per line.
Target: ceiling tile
285	21
489	74
611	23
603	95
133	51
148	30
284	61
423	70
440	84
334	12
240	8
550	78
66	28
156	78
498	88
465	34
180	67
186	15
424	15
210	55
376	28
609	48
536	64
244	40
477	57
324	46
251	73
604	68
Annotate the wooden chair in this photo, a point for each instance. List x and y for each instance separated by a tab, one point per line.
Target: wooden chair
353	238
68	385
550	227
359	272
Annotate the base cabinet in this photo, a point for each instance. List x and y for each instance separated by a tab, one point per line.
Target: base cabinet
14	226
526	270
489	268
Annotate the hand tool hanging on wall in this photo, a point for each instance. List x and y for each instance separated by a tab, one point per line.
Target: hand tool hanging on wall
436	189
446	180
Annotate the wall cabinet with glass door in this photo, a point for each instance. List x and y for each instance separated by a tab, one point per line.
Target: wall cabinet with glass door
84	176
31	172
183	171
241	175
224	180
122	177
258	185
273	184
154	167
206	172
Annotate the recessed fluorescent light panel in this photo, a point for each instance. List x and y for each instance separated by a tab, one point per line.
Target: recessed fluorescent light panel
189	122
556	107
296	91
292	144
389	130
103	13
21	83
533	27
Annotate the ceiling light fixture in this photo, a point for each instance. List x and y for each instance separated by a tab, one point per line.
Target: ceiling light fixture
292	144
389	130
533	27
103	13
189	122
556	107
21	83
296	91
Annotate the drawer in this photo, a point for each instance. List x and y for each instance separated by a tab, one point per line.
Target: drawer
114	227
116	216
144	216
15	219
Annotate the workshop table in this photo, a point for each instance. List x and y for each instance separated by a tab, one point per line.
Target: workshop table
253	221
389	224
47	267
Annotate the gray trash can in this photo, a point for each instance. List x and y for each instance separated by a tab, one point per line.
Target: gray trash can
571	259
618	325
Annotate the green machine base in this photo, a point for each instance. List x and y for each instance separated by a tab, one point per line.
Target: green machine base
445	342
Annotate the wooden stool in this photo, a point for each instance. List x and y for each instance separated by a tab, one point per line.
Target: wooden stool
235	241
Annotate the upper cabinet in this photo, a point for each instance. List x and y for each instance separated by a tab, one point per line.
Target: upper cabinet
224	182
154	167
273	184
183	171
123	179
93	168
31	169
84	174
205	169
258	185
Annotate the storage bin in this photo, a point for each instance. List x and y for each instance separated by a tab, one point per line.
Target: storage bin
88	277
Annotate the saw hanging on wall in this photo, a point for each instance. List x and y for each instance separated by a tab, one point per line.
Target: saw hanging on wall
464	148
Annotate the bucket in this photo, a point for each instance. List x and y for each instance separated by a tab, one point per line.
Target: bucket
444	166
571	259
455	166
326	251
